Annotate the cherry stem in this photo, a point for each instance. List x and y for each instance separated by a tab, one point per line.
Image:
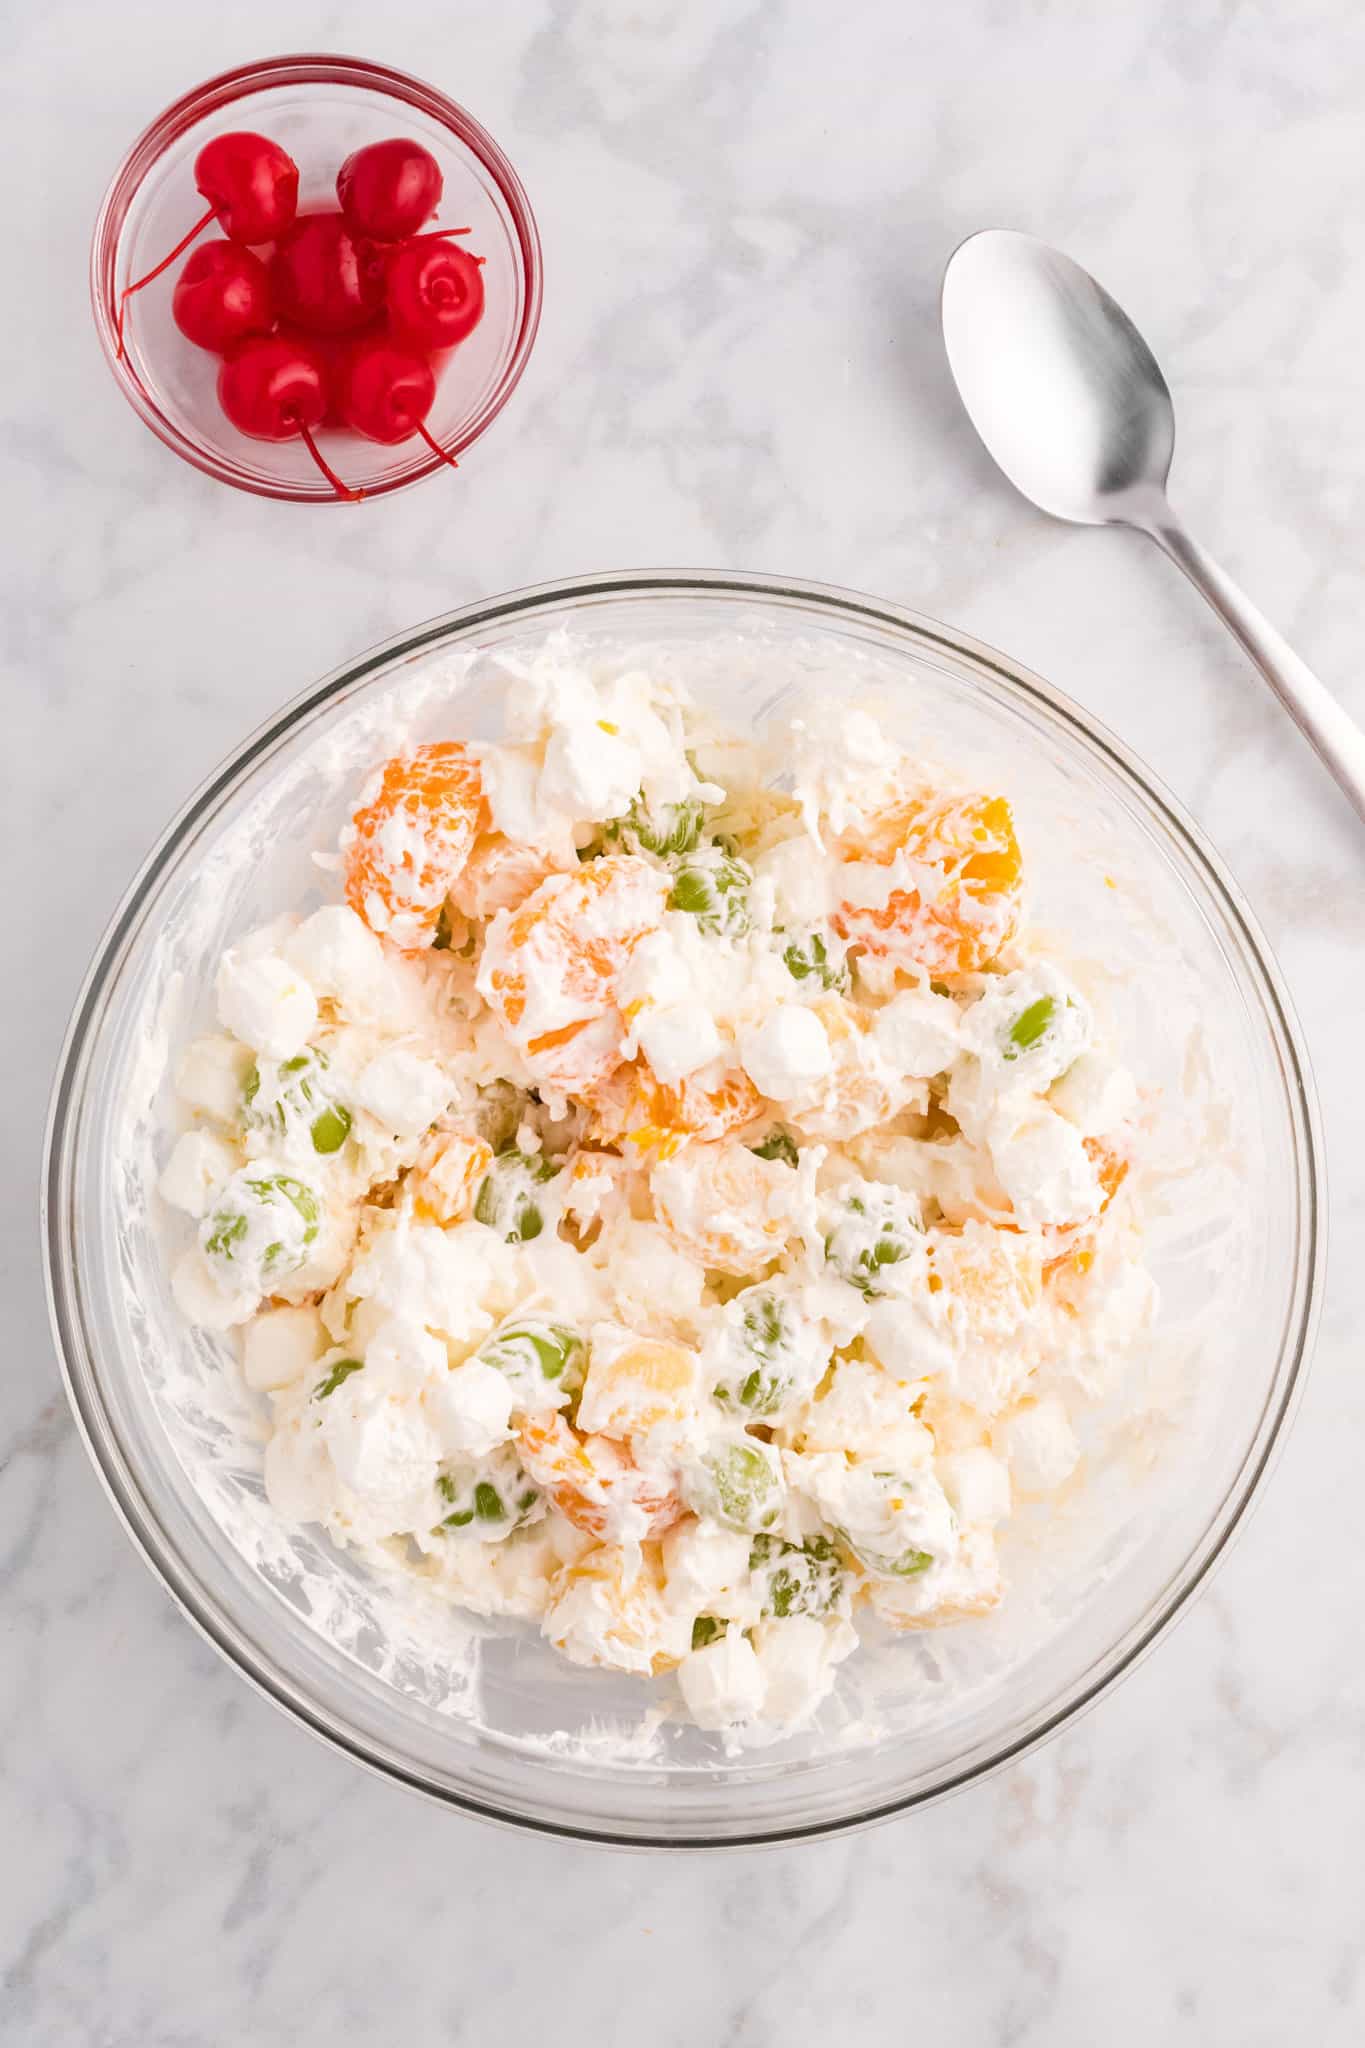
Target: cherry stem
181	246
437	235
342	490
436	447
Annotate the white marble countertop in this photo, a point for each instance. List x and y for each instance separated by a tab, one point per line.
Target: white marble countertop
746	205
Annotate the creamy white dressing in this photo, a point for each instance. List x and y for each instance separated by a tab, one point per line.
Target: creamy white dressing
795	1308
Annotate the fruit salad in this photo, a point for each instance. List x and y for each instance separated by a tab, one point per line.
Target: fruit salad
668	1198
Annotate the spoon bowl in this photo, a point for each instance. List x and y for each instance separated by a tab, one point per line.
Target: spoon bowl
1074	409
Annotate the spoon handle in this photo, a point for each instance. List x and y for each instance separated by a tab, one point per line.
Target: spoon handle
1316	712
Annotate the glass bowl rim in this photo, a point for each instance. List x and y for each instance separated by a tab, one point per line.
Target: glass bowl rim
226	89
81	1371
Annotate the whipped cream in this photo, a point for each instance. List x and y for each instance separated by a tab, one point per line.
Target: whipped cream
689	1237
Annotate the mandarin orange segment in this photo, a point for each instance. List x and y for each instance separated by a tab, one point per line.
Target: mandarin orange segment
1067	1269
1110	1165
551	966
858	1092
447	1174
991	1280
637	1386
608	1104
500	874
1065	1277
635	1107
724	1207
409	845
596	1189
585	1054
689	1109
1072	1245
618	1590
554	1041
594	1482
708	1113
958	924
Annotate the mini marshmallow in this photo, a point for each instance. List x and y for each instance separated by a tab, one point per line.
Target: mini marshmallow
723	1683
918	1033
787	1054
1095	1095
266	1003
677	1040
1040	1444
212	1075
470	1409
201	1300
279	1345
402	1091
199	1164
977	1484
340	958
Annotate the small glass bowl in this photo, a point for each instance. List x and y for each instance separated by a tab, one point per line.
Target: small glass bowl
319	108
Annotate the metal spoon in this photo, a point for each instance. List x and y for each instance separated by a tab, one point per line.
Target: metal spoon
1068	399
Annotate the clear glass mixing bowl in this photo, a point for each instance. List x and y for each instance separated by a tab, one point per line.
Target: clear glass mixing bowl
506	1729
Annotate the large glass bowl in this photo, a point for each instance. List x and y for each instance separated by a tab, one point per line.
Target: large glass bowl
1232	1189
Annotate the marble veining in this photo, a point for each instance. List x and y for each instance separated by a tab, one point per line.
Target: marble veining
746	205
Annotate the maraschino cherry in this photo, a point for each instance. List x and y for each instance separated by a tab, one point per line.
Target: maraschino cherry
253	192
389	190
331	350
326	279
222	294
274	387
434	293
385	392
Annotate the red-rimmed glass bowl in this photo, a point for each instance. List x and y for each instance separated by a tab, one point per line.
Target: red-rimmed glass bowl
318	108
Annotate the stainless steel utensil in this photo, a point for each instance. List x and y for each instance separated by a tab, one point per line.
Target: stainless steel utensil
1070	402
